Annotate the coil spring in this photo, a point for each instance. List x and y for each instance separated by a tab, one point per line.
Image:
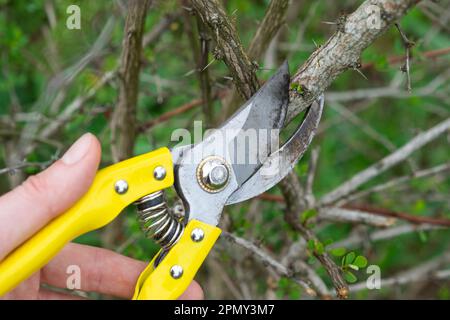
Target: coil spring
156	220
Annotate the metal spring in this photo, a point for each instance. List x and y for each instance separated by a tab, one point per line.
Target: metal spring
156	220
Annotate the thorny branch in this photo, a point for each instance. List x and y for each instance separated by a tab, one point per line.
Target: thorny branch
291	190
228	46
340	53
267	260
408	44
123	121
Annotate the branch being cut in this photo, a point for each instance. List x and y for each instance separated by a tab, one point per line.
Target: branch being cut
342	51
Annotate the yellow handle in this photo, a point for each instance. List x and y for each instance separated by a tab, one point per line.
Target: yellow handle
99	206
187	254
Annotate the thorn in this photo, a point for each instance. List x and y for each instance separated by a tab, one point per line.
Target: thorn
207	66
361	73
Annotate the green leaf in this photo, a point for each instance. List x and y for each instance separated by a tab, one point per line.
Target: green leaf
338	252
354	267
319	247
349	258
311	245
360	261
308	214
423	236
350	277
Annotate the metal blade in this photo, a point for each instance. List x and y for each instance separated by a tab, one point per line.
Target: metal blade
265	113
266	110
280	163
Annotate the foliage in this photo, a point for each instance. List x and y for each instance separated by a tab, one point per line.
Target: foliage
33	54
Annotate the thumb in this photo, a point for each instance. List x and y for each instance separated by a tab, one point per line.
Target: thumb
42	197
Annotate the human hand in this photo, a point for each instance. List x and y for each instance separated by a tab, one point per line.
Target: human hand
42	197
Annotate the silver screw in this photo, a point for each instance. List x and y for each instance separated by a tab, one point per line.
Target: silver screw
218	175
159	173
176	271
213	174
197	235
121	186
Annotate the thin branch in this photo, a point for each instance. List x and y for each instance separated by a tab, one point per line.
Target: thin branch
401	215
407	66
159	29
385	234
312	167
339	214
354	215
273	19
177	111
432	54
425	271
398	181
267	260
21	166
291	190
384	164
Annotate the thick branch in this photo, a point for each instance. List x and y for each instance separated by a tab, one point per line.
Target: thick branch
124	116
342	51
229	47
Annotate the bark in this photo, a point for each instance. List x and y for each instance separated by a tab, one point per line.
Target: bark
228	46
123	123
342	51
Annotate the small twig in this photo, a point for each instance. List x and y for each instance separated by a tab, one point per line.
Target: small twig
291	189
384	164
385	234
432	54
400	215
406	67
24	165
267	260
311	174
397	181
177	111
422	272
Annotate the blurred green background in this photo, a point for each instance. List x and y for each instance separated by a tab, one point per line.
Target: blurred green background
37	51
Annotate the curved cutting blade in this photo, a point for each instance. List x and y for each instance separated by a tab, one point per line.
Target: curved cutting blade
260	115
281	162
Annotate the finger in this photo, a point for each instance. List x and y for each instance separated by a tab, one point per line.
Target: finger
45	294
42	197
26	290
193	292
101	271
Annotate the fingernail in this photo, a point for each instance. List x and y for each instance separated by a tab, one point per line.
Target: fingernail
78	150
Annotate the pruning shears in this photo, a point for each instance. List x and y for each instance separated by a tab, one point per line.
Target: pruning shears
229	166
